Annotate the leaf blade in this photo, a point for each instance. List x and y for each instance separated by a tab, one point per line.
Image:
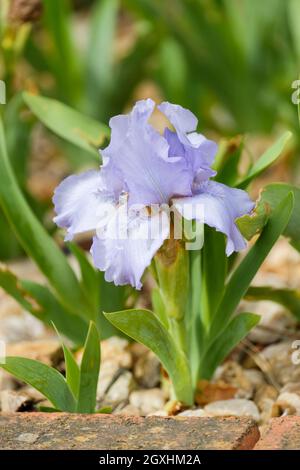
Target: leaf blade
143	326
77	128
266	159
35	240
236	330
89	371
246	270
45	379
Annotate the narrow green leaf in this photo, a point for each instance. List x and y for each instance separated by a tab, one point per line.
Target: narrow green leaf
194	323
105	410
90	279
213	279
18	137
72	368
47	409
293	17
236	330
173	69
143	326
45	379
71	125
63	56
35	240
267	159
12	285
89	372
289	298
100	55
246	270
72	371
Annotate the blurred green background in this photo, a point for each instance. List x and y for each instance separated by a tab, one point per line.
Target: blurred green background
232	62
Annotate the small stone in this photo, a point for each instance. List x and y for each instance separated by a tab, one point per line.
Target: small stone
292	388
115	356
193	413
147	401
27	437
266	411
120	389
233	407
137	350
116	349
208	392
233	374
162	413
266	391
286	404
128	410
256	377
7	381
264	398
274	320
47	351
147	370
12	401
21	326
109	371
277	362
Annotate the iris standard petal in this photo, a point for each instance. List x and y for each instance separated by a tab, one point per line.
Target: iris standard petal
221	207
141	155
183	120
125	256
198	151
78	201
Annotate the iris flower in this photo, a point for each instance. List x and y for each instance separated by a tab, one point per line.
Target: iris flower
144	168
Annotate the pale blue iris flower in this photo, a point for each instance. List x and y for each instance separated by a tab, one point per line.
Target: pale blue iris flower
146	168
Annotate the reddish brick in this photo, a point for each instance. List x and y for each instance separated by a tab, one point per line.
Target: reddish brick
281	434
75	431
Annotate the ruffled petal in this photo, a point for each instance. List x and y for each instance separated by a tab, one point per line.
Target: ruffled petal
79	200
183	120
140	154
221	207
198	151
127	247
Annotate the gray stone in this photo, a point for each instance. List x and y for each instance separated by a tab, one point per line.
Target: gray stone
48	351
27	437
233	374
233	407
287	403
147	370
120	389
147	401
193	413
274	320
12	401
